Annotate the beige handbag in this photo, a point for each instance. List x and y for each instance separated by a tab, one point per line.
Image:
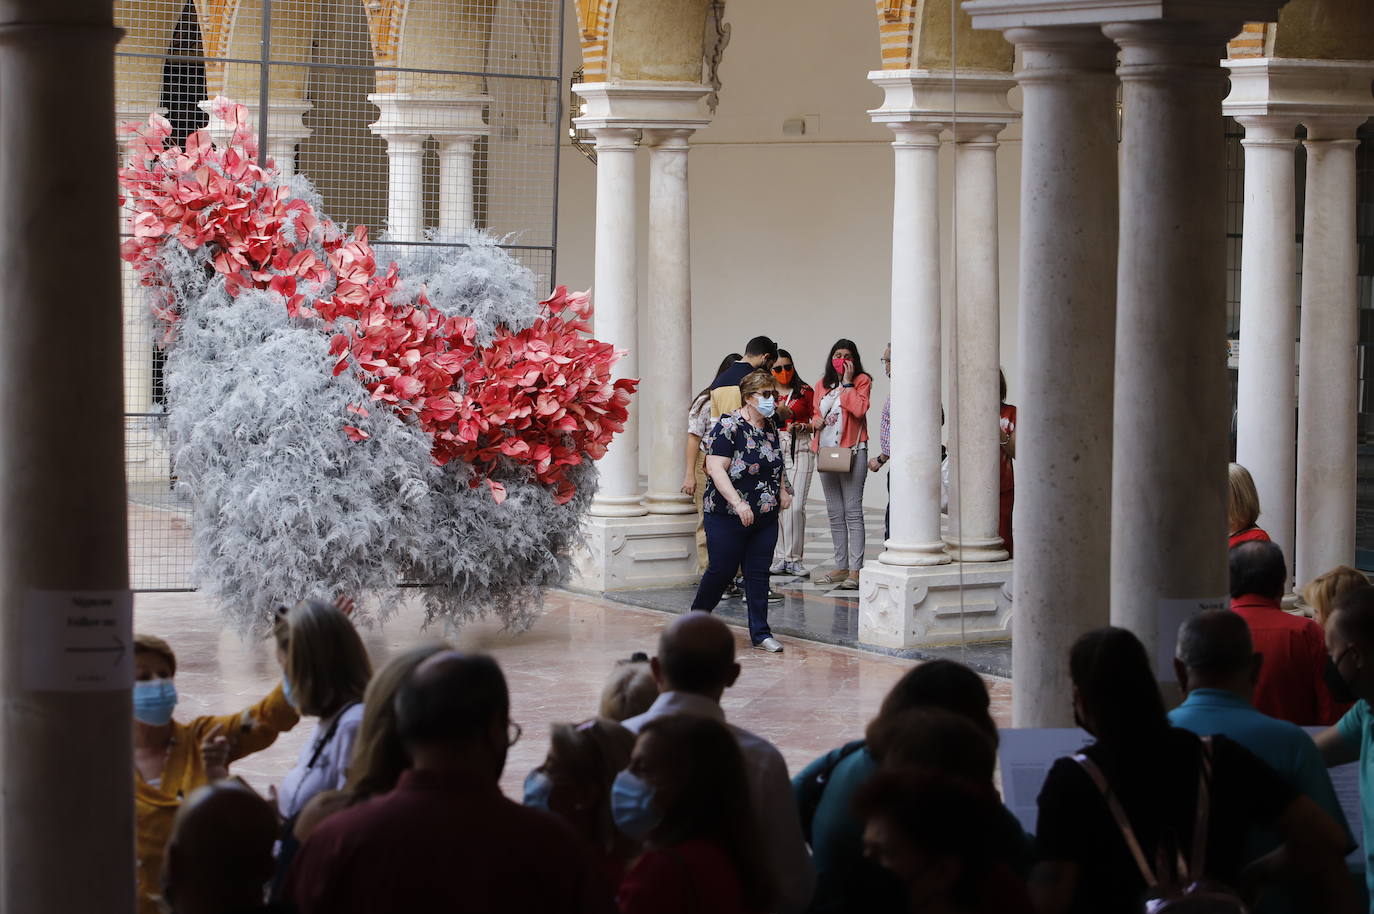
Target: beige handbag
835	459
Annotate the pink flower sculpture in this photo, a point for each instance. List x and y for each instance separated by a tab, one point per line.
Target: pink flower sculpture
543	397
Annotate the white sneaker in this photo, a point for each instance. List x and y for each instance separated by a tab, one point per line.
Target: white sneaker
779	568
770	645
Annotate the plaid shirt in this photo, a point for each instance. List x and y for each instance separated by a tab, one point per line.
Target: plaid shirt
885	428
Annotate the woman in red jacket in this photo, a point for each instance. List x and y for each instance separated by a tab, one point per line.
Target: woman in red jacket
841	421
796	404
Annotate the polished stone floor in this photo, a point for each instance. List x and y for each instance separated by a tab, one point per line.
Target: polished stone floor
807	700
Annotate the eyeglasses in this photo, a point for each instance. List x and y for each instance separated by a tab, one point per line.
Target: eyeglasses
513	732
779	369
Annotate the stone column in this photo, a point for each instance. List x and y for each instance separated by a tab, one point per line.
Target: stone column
670	319
974	404
456	196
1327	392
457	124
137	327
1265	423
915	410
405	123
616	301
1067	344
1169	484
66	816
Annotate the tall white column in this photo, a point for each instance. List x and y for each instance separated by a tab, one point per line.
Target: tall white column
456	190
1265	422
915	410
1327	390
1169	485
285	129
137	327
975	404
617	309
63	505
405	187
670	318
1067	295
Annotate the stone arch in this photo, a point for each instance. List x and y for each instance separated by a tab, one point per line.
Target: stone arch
236	27
594	35
433	35
148	28
658	40
919	35
1310	30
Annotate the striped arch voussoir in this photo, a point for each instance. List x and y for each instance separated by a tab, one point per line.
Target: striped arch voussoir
897	31
594	31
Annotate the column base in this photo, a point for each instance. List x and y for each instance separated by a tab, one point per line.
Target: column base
618	506
914	554
670	503
908	606
632	553
977	549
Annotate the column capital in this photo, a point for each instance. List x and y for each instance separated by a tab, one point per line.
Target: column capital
616	138
668	138
1333	128
1063	53
642	105
917	132
941	96
1268	129
430	115
978	134
1009	14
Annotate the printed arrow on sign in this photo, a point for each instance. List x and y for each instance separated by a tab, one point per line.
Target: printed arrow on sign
117	650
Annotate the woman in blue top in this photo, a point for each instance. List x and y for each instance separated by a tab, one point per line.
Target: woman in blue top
745	492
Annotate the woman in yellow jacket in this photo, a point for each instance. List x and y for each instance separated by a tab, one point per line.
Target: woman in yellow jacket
171	759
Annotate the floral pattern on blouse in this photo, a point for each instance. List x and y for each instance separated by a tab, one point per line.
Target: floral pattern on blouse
756	464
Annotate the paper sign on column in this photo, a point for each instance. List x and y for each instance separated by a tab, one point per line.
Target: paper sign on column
78	640
1172	614
1026	757
1346	781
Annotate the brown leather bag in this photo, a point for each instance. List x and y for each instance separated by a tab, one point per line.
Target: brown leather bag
835	459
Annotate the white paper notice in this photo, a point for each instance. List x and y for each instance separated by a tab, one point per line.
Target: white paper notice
1172	615
1027	756
1346	780
78	640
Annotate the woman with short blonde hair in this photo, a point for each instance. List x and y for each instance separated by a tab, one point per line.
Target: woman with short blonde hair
1243	509
1322	592
326	670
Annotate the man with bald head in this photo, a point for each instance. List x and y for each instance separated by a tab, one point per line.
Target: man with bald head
445	839
695	665
1217	668
219	859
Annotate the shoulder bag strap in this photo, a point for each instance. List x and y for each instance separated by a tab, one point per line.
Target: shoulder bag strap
1119	814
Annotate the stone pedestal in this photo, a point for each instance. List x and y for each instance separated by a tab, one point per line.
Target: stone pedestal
631	553
934	606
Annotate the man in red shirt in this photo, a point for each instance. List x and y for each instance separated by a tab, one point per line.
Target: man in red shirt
1290	685
446	839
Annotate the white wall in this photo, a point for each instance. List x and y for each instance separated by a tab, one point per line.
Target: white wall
790	236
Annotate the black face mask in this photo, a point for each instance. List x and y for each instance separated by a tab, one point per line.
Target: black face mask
1340	690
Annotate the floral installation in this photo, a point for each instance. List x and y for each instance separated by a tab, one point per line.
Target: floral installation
340	425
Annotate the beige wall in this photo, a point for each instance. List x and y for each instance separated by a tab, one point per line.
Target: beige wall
790	237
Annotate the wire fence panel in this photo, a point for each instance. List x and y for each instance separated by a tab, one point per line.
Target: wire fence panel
420	119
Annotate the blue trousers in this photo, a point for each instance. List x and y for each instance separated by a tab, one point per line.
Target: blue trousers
731	545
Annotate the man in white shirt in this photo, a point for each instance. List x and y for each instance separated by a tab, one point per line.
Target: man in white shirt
694	667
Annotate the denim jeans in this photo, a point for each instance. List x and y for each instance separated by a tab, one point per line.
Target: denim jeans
733	545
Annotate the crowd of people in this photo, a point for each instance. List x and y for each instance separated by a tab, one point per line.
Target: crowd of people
658	803
756	435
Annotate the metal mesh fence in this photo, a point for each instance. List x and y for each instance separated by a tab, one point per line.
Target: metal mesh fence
421	119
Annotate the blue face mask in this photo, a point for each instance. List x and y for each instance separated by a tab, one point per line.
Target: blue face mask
538	789
766	406
632	806
154	700
286	691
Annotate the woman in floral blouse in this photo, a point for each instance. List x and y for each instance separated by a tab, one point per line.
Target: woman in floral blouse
745	492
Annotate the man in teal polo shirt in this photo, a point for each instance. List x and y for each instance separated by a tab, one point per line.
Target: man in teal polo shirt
1350	676
1217	669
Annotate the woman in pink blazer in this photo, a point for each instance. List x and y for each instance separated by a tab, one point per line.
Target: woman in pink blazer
841	420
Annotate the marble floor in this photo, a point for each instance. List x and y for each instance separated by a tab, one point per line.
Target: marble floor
807	700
